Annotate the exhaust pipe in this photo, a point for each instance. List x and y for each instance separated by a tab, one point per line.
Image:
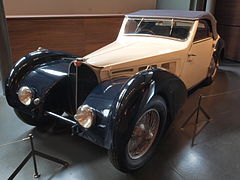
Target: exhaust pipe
5	51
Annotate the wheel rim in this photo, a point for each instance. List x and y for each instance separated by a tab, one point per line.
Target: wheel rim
144	133
212	70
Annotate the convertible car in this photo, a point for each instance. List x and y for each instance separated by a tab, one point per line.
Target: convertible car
123	96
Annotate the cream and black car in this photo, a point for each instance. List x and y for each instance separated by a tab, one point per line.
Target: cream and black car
123	96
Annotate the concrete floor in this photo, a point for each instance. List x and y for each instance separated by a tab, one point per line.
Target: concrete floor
215	155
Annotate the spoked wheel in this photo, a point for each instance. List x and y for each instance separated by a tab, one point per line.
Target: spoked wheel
133	147
144	134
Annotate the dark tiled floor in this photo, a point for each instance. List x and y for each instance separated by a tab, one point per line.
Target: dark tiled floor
215	155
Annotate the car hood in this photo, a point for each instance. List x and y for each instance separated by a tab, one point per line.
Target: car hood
133	48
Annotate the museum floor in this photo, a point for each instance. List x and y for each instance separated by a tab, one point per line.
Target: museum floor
215	155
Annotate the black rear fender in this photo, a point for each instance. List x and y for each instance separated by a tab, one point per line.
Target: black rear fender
220	46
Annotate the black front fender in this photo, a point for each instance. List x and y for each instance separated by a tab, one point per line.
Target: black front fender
116	102
138	91
107	99
39	70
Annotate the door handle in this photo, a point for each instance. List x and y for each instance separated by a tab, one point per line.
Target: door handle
190	59
192	55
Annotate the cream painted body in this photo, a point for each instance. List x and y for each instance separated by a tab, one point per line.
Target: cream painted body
130	54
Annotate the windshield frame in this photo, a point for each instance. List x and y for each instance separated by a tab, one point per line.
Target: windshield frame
172	20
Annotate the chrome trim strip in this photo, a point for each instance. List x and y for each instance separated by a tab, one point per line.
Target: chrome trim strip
122	71
69	121
202	40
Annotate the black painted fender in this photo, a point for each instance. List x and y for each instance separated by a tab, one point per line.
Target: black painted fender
116	102
139	90
30	71
220	46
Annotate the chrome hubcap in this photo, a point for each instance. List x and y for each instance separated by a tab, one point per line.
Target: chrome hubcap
143	134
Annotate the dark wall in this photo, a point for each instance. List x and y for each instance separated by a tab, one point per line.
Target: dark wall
227	14
173	4
76	34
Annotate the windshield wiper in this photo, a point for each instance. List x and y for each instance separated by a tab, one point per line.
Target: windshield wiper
172	23
139	24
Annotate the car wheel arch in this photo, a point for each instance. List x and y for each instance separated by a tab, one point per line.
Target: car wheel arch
25	65
169	87
124	123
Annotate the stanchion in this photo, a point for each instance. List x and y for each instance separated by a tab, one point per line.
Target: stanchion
199	109
33	154
196	111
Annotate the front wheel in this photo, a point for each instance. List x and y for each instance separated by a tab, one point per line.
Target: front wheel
141	140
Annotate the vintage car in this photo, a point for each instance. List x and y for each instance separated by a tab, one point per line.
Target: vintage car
123	96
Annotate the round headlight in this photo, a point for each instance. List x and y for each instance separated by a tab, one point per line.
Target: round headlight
85	116
25	95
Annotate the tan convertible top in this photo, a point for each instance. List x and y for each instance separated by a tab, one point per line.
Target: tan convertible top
179	14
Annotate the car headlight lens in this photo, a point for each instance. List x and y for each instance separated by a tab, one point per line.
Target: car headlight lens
85	116
25	95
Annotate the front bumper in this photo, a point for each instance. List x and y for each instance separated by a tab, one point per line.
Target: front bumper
76	128
93	134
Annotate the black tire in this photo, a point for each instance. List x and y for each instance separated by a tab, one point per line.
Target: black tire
119	153
212	70
211	75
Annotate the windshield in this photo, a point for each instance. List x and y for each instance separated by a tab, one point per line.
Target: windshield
162	27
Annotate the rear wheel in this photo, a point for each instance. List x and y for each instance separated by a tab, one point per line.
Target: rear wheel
137	144
212	69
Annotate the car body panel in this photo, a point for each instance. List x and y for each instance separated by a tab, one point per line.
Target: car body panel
144	50
137	48
199	55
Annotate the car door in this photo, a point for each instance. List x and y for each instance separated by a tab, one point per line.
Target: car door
199	56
